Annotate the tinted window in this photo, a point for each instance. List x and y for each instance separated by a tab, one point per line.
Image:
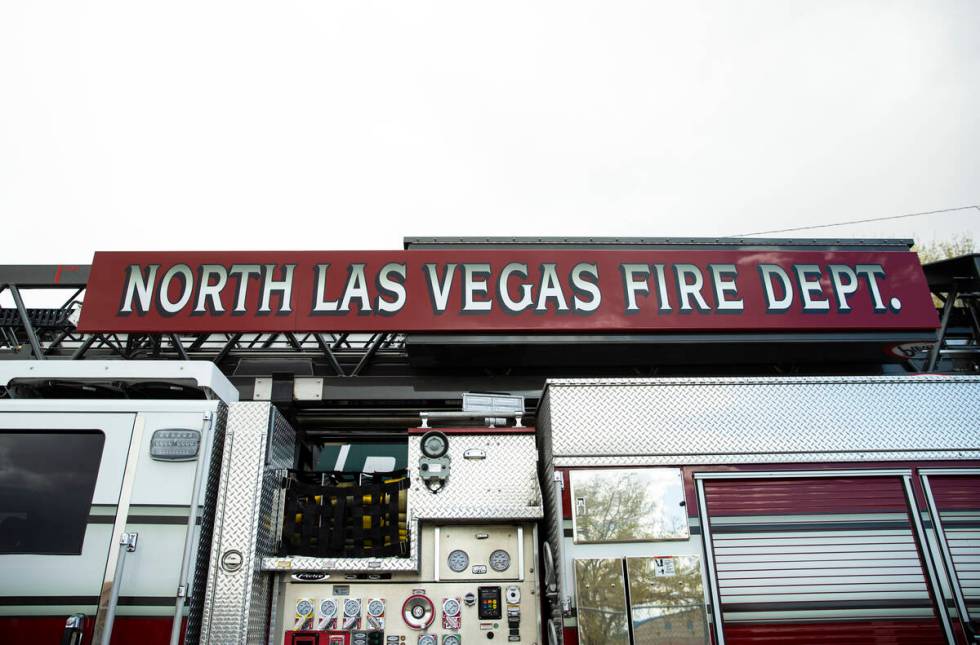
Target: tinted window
371	457
47	480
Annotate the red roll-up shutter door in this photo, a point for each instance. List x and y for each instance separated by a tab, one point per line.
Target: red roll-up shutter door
819	560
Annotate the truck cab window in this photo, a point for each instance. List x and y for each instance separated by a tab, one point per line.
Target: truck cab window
47	480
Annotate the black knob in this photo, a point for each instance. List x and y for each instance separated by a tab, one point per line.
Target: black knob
489	636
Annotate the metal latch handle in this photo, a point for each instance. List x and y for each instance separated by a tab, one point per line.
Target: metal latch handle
74	630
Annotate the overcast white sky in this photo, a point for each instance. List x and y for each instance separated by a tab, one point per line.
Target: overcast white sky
320	125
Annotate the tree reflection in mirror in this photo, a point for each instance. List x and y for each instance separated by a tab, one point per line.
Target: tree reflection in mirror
600	595
629	505
667	600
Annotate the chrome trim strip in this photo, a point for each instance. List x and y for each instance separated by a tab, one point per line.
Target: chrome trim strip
537	575
197	491
277	606
949	471
127	544
520	552
563	572
947	555
436	563
920	534
709	561
118	528
779	474
573	509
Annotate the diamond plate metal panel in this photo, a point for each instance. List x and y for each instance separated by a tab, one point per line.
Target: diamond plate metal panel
370	565
200	580
502	486
280	452
762	420
258	444
551	493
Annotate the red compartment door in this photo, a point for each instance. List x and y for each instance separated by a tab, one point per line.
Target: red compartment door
819	560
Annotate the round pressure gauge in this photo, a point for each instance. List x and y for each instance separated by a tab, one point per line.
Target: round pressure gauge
328	608
499	560
304	607
418	611
434	444
458	561
352	607
451	639
376	608
427	639
450	607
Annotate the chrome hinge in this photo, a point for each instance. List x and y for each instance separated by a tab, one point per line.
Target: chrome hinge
129	541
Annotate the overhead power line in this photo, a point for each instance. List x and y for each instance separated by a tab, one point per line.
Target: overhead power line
860	221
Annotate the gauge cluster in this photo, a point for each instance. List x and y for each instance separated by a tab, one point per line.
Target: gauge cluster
478	551
458	561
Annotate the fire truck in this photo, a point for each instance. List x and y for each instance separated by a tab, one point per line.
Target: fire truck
578	441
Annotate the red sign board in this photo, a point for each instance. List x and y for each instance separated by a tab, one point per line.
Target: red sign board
507	290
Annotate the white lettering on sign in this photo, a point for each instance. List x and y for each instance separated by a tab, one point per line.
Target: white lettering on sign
244	273
283	286
772	274
504	289
583	287
635	278
209	295
141	286
475	288
690	282
808	277
481	288
439	289
185	288
724	275
390	285
870	272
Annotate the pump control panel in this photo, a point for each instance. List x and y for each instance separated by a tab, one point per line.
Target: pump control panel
429	613
425	608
